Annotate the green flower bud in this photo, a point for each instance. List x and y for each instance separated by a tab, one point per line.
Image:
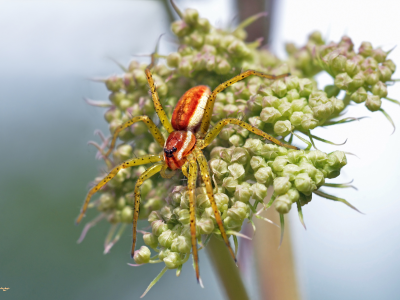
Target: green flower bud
283	128
317	158
359	96
365	49
184	200
114	83
304	199
379	55
203	25
337	159
173	59
230	183
239	211
390	64
257	162
184	216
285	109
323	111
271	101
243	193
238	48
202	201
372	77
180	28
306	87
219	168
181	245
166	213
158	227
279	88
299	104
222	201
352	67
342	81
254	146
206	225
271	151
150	240
339	64
195	39
309	122
373	102
292	95
165	239
191	16
142	256
293	195
232	224
222	67
240	155
292	83
185	67
331	90
338	104
283	204
127	214
306	167
107	202
270	115
290	171
163	253
380	89
264	175
385	73
173	260
281	185
369	64
236	140
296	118
279	163
304	183
358	81
236	170
153	216
259	191
319	178
294	156
140	77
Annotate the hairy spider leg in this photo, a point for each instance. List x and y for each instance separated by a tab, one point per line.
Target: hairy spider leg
191	190
185	169
157	104
127	164
211	100
154	169
212	134
205	175
155	132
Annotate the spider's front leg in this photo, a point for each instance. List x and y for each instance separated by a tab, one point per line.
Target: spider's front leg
205	174
212	134
211	100
127	164
192	177
154	169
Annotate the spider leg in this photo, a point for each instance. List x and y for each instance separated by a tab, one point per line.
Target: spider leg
185	169
212	134
157	104
207	180
149	123
164	174
127	164
211	100
154	169
191	188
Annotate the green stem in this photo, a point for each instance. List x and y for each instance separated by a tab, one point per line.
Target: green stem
228	272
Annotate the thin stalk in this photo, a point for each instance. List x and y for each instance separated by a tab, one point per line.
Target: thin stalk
228	272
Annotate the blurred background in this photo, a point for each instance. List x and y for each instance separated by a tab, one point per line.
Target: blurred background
49	51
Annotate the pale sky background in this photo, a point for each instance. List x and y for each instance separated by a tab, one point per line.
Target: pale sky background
49	49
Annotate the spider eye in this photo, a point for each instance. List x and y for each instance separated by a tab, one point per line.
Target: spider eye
174	149
165	150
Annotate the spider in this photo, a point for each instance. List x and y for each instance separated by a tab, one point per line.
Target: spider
188	135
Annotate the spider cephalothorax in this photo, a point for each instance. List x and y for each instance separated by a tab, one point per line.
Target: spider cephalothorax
188	135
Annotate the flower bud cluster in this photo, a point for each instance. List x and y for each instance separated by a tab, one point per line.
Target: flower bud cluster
363	74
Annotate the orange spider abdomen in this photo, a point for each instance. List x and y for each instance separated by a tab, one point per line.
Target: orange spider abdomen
178	145
189	111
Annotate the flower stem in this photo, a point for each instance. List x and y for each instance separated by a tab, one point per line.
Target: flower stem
228	272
